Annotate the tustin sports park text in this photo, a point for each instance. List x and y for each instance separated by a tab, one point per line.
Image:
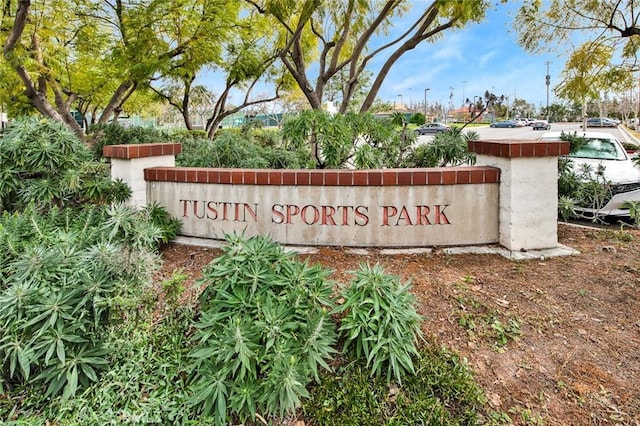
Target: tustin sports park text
327	215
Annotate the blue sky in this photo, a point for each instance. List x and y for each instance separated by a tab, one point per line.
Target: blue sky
480	57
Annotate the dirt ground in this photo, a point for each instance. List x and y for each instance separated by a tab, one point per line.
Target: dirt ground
552	341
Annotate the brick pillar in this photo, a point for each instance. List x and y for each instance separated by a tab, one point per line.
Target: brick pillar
528	190
129	161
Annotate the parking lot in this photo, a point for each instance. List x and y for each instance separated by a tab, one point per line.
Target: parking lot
527	133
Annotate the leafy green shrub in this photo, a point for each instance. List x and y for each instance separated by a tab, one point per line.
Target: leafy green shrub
417	118
582	187
231	149
227	150
116	134
442	392
160	217
381	324
44	163
567	207
338	139
146	382
64	277
266	137
446	149
264	331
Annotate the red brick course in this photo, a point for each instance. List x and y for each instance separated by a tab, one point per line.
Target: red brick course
386	177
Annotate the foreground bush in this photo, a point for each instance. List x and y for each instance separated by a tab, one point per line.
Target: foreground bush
264	331
581	187
381	324
66	275
69	264
43	163
259	344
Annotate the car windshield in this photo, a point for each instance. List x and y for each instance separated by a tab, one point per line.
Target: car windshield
601	149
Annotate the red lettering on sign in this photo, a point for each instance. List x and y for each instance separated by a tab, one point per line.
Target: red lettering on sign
345	214
277	214
292	210
316	214
211	206
404	215
387	213
441	218
184	207
327	215
422	212
252	212
225	211
195	210
362	219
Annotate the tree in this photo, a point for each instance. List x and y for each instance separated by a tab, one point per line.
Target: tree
521	108
248	60
587	73
93	56
186	99
557	112
322	40
245	57
609	49
18	55
613	24
489	102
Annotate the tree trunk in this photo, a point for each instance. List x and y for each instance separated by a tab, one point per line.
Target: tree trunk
121	94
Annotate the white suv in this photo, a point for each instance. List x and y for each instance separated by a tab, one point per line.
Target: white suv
603	153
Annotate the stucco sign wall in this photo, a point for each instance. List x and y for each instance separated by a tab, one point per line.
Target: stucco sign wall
509	198
390	215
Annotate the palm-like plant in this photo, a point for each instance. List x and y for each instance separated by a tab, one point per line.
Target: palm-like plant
64	277
381	323
264	330
44	163
446	150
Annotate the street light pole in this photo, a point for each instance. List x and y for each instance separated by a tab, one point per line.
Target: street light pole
400	96
547	82
450	102
425	102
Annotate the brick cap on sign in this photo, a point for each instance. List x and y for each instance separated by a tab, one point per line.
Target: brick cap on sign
519	148
309	177
130	151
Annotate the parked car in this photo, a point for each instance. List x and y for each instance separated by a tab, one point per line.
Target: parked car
504	123
623	176
540	125
431	128
601	122
522	122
